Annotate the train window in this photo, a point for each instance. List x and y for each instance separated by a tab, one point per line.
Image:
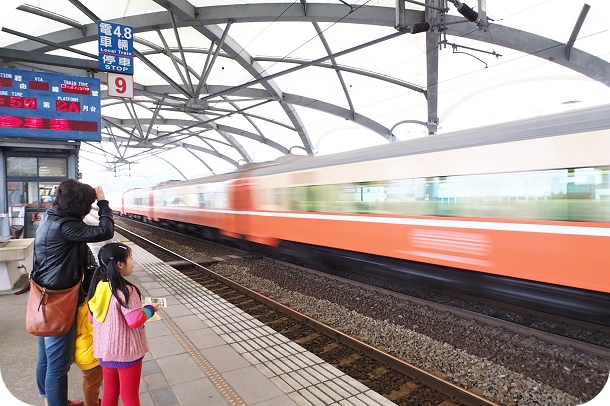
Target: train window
371	197
303	198
562	194
277	199
276	196
190	200
171	199
219	200
580	194
202	201
315	198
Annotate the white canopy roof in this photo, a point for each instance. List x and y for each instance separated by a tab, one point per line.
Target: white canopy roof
221	83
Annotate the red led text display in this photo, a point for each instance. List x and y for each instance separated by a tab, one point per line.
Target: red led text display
34	85
17	102
53	124
69	88
49	105
67	106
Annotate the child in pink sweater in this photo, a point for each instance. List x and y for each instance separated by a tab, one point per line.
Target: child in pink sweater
118	325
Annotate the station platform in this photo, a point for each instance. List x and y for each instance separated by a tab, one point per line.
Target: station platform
203	351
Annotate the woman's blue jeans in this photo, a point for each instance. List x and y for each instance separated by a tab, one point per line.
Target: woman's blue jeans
55	355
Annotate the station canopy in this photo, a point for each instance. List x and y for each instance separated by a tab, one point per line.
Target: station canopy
219	84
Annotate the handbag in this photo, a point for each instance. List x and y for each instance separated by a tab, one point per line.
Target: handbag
51	312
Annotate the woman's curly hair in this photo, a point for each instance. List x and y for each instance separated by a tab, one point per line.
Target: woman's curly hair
74	198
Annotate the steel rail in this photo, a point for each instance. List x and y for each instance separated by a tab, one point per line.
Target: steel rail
583	346
441	385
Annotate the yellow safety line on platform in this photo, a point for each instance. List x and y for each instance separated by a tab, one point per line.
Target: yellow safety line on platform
213	375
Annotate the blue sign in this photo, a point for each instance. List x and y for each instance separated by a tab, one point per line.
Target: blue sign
115	47
49	105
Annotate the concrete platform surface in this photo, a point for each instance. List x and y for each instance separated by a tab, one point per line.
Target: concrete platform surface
203	351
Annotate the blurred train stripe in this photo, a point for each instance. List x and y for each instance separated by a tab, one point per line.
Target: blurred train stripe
475	225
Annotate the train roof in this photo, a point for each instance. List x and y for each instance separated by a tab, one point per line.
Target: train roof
207	179
582	120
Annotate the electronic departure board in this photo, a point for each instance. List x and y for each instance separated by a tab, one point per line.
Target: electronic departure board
49	105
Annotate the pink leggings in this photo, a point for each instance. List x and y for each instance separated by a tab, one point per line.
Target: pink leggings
124	382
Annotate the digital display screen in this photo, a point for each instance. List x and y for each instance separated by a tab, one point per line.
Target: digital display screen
34	85
67	106
54	124
68	88
17	102
49	105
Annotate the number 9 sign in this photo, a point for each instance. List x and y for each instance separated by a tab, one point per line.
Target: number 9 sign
120	85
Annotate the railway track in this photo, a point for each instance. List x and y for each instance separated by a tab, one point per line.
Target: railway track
353	360
395	379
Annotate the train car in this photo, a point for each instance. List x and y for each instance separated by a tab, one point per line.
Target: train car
516	201
199	205
137	204
518	211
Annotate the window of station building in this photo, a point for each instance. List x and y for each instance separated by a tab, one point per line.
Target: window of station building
36	167
52	167
46	193
21	166
17	193
23	194
32	181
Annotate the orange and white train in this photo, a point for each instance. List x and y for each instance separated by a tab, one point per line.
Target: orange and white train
519	210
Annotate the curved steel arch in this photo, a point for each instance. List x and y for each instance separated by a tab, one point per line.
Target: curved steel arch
340	112
67	37
554	51
186	145
187	13
299	100
217	127
582	62
536	45
225	132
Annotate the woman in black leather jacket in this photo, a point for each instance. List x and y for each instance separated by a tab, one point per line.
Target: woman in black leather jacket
61	252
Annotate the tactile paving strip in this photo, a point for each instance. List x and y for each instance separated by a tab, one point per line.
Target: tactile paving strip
304	377
213	375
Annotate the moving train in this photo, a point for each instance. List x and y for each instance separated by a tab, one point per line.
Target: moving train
518	212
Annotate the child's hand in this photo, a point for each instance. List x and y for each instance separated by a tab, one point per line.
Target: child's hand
157	307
